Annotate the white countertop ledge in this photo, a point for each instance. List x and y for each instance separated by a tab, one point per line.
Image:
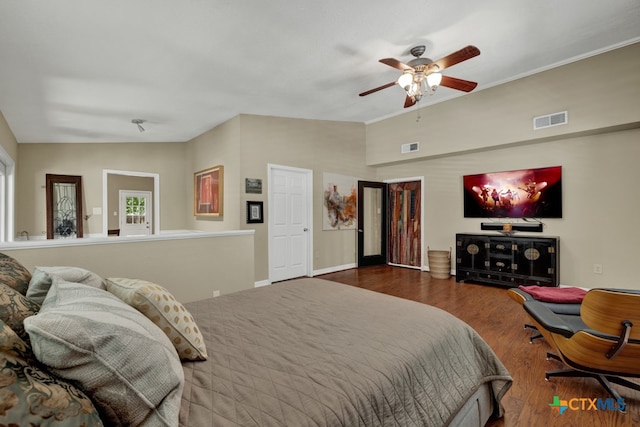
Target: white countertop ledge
108	240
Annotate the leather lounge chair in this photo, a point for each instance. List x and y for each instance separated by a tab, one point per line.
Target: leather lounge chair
569	312
606	348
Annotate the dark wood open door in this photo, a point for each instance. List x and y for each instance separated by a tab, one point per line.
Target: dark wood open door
372	223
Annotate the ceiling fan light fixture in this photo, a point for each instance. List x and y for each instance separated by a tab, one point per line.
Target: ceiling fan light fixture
433	80
405	81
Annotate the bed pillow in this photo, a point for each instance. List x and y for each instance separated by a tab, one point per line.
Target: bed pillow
121	359
31	396
41	280
158	305
14	308
13	274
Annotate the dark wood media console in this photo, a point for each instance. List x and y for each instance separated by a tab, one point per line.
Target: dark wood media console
507	260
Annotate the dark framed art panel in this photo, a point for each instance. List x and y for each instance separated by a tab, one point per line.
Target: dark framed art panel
255	214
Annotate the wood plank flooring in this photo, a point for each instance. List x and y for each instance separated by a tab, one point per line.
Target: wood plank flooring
500	321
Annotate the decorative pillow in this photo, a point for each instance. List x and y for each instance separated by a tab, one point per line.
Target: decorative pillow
119	357
158	305
31	396
13	274
14	308
41	280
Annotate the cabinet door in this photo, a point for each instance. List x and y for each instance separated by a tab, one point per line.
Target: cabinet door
536	258
471	251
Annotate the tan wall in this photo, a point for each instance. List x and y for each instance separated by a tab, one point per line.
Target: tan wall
600	207
190	269
486	131
320	146
124	182
599	92
7	140
88	160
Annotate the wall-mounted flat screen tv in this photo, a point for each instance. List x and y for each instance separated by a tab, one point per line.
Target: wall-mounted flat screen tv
527	193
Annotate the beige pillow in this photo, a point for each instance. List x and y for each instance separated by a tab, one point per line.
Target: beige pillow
164	310
41	280
125	364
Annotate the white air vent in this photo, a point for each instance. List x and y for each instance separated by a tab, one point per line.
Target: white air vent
555	119
410	147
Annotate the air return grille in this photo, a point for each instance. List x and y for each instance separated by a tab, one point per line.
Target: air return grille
549	120
409	147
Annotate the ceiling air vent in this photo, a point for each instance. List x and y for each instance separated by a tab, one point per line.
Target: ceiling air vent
549	120
410	147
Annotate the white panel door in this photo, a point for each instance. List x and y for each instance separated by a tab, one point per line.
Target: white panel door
135	213
289	223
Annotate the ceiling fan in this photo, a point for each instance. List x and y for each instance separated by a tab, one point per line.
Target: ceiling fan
423	76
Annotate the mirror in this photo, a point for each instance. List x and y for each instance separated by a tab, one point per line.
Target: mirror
64	206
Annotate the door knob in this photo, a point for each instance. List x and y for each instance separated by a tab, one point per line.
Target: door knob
305	229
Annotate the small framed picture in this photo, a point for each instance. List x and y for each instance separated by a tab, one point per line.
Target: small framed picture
253	185
254	213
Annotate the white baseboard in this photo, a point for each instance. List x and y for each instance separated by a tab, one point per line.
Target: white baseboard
333	269
262	283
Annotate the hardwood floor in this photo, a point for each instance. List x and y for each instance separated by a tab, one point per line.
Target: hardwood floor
500	321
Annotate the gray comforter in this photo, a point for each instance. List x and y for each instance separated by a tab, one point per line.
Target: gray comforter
310	352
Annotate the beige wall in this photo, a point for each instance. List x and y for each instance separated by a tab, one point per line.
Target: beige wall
245	146
124	182
490	130
190	269
599	93
88	160
600	206
7	140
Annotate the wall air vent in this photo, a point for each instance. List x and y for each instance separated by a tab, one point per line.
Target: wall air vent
555	119
410	147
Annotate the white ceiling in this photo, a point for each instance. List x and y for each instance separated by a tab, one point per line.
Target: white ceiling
80	70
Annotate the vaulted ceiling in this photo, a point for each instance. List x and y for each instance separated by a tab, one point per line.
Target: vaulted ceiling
81	70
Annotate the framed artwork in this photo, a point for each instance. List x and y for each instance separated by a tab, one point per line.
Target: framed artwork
253	185
254	213
207	192
340	202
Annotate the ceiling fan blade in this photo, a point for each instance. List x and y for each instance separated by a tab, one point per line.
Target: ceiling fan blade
459	84
370	91
456	57
408	102
392	62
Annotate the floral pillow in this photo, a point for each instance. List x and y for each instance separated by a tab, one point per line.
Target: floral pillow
29	395
13	274
14	308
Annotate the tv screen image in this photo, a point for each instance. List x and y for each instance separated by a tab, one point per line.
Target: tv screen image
526	193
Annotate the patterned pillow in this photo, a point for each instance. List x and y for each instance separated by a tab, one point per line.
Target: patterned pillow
158	305
14	308
124	363
13	274
41	280
31	396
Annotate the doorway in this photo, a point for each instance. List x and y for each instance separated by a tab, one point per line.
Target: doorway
372	223
135	213
405	225
290	208
390	223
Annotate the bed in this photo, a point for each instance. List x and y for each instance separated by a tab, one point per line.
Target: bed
311	352
76	349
